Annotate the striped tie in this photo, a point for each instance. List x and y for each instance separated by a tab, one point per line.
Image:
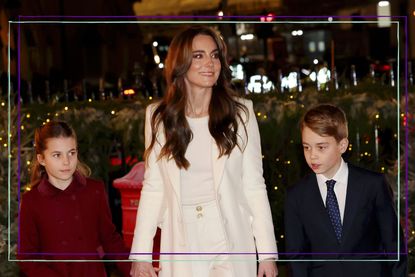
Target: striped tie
333	209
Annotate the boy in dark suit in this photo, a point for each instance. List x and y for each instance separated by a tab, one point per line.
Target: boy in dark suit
341	212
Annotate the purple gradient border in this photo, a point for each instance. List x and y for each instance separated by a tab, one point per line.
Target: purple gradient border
252	17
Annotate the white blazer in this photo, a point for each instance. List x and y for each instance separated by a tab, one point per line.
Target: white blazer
240	193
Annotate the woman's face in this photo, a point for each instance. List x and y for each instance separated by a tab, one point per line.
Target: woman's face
205	68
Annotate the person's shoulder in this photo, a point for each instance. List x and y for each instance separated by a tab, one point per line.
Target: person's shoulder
360	172
243	101
30	195
152	107
302	185
94	185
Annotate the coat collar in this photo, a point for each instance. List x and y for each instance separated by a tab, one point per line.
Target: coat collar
47	189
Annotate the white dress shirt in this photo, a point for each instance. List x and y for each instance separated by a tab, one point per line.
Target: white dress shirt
340	188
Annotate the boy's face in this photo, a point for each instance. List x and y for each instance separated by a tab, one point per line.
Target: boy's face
323	154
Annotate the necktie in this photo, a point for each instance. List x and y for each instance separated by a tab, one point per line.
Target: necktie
333	209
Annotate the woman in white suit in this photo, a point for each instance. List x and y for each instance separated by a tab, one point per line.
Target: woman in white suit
203	184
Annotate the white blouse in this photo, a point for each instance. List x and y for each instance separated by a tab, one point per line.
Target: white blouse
197	181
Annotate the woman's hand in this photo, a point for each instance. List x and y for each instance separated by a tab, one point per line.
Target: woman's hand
268	269
143	269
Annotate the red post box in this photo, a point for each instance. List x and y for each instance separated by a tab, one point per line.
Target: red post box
130	187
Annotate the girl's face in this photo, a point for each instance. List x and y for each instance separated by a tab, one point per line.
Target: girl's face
60	160
205	68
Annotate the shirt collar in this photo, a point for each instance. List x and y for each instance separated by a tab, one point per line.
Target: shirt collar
340	176
46	188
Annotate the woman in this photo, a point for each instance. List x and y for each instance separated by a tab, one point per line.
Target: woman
203	184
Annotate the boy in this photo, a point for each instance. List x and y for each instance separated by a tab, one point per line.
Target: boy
341	212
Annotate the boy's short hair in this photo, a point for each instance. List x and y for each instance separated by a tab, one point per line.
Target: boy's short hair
326	120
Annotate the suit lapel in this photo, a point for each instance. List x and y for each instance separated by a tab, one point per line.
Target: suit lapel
321	212
174	176
353	195
218	165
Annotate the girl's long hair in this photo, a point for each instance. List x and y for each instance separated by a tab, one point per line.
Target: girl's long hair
224	108
52	129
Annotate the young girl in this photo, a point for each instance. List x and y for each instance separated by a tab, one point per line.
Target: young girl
65	215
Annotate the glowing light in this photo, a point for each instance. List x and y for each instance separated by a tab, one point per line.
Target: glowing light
366	142
377	116
265	116
56	114
263	156
129	92
113	112
258	114
161	65
260	83
47	120
66	108
275	188
282	236
28	115
383	3
365	153
2	104
89	100
413	232
220	13
28	188
402	114
5	145
150	98
22	127
330	19
157	59
155	43
28	162
382	168
288	162
315	61
247	37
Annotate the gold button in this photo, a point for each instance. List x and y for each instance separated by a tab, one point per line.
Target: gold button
199	215
199	208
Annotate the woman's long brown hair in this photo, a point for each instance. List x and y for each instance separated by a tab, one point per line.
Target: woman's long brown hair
224	108
52	129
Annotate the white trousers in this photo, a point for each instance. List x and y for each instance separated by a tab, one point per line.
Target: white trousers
206	241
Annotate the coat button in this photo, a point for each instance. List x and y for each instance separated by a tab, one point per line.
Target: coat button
199	208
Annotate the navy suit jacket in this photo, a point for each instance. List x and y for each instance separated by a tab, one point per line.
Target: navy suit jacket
370	229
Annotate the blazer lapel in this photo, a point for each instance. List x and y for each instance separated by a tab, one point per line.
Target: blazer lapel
353	195
174	176
218	165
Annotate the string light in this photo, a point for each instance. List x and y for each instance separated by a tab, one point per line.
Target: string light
275	188
5	145
150	98
258	114
28	115
3	104
22	127
377	116
112	112
282	236
66	108
89	100
28	162
265	116
56	114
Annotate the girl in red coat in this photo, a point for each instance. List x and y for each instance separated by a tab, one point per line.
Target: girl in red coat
65	216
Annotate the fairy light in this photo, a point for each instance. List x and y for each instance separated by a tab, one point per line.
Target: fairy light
47	120
265	116
288	162
377	116
28	115
28	162
366	142
112	112
66	108
258	114
275	188
89	100
3	104
291	97
382	168
280	176
282	236
5	145
263	156
150	98
56	114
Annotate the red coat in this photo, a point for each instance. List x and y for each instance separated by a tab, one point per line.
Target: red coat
74	224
